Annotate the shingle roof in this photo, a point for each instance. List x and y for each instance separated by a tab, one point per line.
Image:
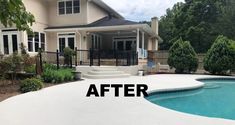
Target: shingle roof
106	21
111	21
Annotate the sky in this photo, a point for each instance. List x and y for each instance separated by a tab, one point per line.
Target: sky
141	10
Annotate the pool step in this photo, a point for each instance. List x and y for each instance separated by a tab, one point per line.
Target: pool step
105	69
106	76
105	73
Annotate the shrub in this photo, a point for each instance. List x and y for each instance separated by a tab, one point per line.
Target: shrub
68	53
48	76
233	50
182	57
52	75
30	69
220	57
13	63
49	66
29	85
67	73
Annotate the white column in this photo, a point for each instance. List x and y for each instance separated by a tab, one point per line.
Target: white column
156	44
80	46
143	41
138	41
1	43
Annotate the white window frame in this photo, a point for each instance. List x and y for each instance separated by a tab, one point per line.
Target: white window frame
10	47
33	42
63	35
122	39
65	13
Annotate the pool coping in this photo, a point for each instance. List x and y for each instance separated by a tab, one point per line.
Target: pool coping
190	88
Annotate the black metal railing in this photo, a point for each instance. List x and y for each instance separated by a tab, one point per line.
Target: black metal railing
91	58
112	57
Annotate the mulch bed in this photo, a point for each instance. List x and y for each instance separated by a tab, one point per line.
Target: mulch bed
7	89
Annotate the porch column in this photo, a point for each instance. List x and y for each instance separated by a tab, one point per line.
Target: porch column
143	41
138	41
80	47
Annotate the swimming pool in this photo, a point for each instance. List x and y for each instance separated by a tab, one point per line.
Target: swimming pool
215	99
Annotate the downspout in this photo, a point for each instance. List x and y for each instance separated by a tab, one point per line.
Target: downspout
80	46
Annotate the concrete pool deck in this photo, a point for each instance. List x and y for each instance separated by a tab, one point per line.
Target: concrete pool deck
67	104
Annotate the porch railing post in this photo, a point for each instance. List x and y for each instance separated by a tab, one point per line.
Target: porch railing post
40	58
132	58
99	57
57	59
116	56
76	56
128	59
91	57
137	59
71	61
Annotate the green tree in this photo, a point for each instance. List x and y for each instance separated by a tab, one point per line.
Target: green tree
68	55
198	21
13	13
182	57
220	57
167	30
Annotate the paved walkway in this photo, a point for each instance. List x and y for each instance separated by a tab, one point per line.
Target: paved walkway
67	105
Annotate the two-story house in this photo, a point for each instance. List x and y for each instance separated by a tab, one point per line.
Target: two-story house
81	24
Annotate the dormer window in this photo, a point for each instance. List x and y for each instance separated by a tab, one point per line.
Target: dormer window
68	7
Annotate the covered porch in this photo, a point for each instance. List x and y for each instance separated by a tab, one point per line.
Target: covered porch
115	47
107	42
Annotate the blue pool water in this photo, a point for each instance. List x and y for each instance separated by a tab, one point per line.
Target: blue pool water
216	99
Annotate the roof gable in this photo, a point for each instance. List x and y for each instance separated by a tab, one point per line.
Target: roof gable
107	8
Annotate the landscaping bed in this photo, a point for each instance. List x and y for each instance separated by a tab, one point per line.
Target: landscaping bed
8	89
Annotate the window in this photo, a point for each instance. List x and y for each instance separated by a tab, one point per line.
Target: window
10	42
71	43
61	8
5	42
14	43
30	43
76	6
96	41
61	44
124	43
66	40
69	7
42	38
35	42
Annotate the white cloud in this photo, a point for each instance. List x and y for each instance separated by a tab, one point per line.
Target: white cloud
139	10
